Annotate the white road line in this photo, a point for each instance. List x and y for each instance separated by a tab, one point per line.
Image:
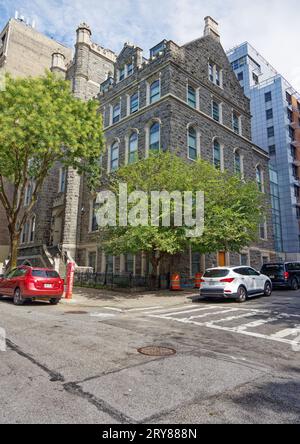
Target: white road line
102	315
191	311
231	310
170	309
113	309
287	332
143	309
257	323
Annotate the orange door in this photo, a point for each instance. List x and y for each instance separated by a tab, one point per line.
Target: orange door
222	259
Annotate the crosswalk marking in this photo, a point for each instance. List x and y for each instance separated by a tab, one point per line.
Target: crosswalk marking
287	332
265	317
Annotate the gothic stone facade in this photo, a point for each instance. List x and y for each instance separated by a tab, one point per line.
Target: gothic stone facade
160	99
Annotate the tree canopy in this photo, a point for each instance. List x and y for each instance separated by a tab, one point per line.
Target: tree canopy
41	123
233	208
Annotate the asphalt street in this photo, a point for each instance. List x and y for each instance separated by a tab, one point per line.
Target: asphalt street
234	363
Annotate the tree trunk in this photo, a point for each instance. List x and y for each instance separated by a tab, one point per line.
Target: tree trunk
155	260
14	245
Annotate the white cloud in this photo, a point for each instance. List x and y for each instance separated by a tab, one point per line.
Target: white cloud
270	26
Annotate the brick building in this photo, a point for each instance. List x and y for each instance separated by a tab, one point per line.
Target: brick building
182	97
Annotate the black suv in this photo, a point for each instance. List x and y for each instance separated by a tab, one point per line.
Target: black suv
283	274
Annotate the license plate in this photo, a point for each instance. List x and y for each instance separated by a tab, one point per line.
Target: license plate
212	284
48	286
272	277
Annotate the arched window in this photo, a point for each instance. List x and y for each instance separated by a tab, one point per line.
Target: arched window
154	142
192	101
133	148
192	144
237	163
114	156
32	229
134	103
116	113
259	178
155	91
25	232
217	154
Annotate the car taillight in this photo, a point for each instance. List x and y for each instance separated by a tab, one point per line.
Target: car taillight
286	276
227	280
202	281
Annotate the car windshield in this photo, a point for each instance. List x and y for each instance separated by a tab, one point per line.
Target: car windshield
216	273
45	273
272	268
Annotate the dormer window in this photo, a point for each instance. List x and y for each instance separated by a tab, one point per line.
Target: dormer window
129	69
121	73
215	74
158	48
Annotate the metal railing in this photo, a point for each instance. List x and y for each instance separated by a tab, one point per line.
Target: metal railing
128	281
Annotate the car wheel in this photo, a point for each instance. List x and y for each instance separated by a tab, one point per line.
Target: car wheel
242	295
294	285
268	289
18	300
54	301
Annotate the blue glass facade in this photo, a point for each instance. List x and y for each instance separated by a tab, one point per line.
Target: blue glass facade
272	129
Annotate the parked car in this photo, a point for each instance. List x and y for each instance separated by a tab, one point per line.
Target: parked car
283	274
28	283
238	283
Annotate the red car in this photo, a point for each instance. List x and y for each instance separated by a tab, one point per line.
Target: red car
28	283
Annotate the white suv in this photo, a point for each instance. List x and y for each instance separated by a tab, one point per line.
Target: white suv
234	283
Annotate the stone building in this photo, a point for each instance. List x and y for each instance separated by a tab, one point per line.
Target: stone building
24	52
181	97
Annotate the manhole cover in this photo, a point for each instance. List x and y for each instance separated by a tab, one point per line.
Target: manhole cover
75	312
157	351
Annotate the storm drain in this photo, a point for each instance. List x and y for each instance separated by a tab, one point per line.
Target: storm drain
157	351
76	312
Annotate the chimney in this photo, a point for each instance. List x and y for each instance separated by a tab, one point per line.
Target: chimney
211	28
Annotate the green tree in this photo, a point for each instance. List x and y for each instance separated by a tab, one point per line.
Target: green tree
233	209
41	123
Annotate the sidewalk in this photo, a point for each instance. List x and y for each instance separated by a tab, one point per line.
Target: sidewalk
89	297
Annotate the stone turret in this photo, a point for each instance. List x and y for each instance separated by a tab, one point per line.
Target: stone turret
84	34
211	28
58	64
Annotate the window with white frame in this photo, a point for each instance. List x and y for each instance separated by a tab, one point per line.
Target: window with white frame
155	91
216	115
192	96
129	69
114	156
134	103
215	74
122	73
109	264
129	263
217	154
154	137
192	143
28	193
93	217
32	229
259	179
238	167
62	180
25	233
116	115
133	147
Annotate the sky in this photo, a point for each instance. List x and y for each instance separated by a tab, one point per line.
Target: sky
271	26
